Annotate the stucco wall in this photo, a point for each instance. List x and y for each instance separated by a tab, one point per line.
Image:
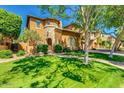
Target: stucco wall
58	36
52	22
66	39
40	31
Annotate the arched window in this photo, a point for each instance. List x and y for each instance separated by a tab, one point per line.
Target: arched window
38	23
72	43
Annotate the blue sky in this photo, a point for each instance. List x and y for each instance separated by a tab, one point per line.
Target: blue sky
24	10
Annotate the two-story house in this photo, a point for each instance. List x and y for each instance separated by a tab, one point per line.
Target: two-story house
51	32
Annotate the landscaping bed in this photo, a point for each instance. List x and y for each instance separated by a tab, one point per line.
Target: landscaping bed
54	72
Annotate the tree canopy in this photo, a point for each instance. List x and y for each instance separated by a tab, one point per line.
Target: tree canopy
113	18
56	11
10	24
29	35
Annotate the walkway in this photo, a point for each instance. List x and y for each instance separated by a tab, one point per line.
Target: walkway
119	53
11	59
113	63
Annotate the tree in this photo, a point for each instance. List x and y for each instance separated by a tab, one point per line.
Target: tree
113	18
30	36
85	17
10	24
88	18
117	42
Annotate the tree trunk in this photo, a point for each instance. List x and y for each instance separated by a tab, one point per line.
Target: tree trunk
113	48
118	46
35	48
86	47
27	48
79	42
116	43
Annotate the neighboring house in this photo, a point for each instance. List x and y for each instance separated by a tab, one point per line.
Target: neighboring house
105	38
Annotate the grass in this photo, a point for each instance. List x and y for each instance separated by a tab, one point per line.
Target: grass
97	55
54	72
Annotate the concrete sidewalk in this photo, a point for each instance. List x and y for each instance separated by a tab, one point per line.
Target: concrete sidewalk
119	53
11	59
113	63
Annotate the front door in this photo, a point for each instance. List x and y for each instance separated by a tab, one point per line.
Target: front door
49	42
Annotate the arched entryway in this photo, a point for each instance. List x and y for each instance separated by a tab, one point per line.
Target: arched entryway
49	42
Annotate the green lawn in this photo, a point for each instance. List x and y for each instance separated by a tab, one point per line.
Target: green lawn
97	55
51	71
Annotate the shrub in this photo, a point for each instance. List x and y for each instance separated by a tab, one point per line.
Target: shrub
44	48
58	48
20	53
39	48
66	50
5	54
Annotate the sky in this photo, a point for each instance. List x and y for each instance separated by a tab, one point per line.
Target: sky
24	10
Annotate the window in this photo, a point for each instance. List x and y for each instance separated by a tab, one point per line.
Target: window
48	22
72	43
38	23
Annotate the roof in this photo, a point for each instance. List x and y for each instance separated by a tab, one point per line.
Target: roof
68	25
72	31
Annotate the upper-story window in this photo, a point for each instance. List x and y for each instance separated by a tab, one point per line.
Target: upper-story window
48	22
38	23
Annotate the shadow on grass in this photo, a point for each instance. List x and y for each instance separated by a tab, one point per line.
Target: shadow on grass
30	64
76	62
78	65
47	81
109	68
68	73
